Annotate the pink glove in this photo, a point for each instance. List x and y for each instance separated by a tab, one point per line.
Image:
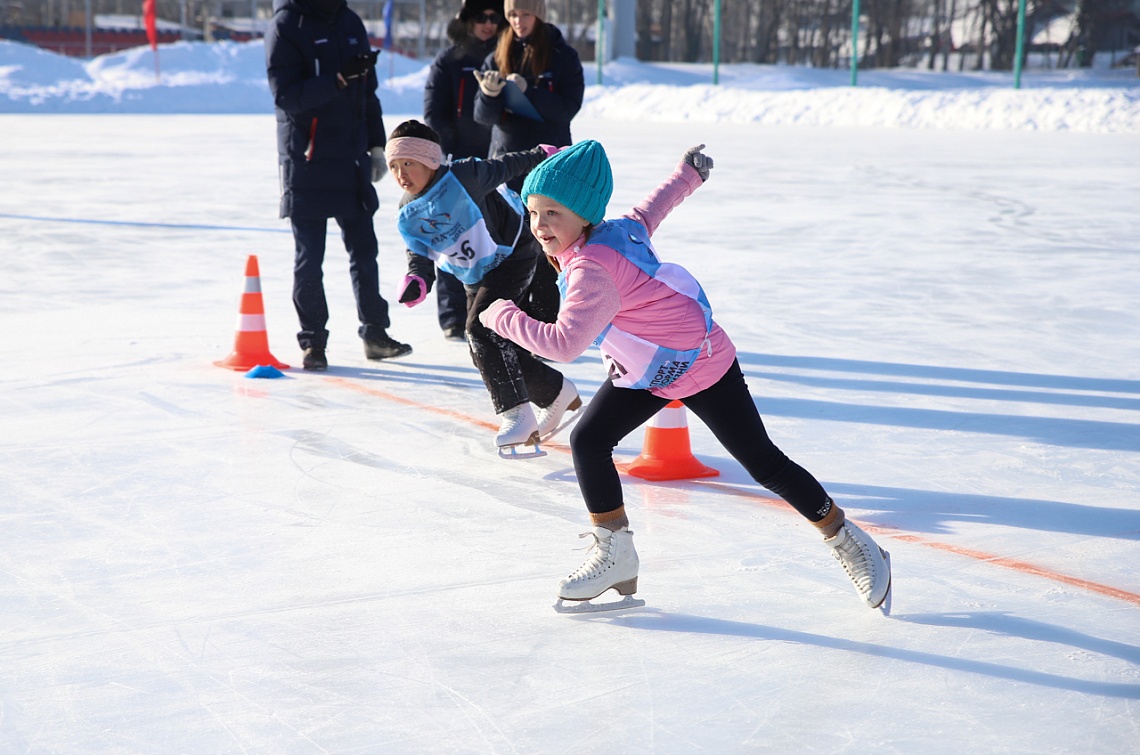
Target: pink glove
550	149
412	291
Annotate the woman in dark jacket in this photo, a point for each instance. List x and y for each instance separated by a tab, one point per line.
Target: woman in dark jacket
449	95
533	56
449	109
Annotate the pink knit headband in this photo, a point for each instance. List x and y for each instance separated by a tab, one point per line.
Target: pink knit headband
421	150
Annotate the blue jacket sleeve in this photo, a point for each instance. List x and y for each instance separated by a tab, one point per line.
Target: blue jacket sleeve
481	177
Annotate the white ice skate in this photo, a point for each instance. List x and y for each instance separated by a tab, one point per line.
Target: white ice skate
612	564
868	565
549	417
518	434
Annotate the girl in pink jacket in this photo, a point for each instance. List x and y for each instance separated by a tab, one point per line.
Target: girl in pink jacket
654	327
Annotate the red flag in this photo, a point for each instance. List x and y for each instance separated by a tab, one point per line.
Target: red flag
150	19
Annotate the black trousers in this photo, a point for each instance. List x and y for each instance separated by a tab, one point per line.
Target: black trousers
308	277
512	374
451	300
542	300
729	412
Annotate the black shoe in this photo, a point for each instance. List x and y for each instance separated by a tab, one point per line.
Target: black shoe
455	333
385	347
314	360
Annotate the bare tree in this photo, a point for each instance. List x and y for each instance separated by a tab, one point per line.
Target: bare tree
798	32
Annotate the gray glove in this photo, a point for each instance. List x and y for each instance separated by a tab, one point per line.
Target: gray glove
379	164
701	162
490	82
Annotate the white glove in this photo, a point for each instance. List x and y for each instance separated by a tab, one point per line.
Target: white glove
490	82
520	82
379	164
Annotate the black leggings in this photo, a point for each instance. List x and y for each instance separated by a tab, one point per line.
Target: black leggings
729	412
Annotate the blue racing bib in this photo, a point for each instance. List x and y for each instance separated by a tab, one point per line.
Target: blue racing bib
446	226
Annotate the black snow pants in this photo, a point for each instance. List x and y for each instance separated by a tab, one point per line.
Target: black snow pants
511	373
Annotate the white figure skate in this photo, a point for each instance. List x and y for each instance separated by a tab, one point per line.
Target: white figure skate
518	434
549	417
611	564
868	565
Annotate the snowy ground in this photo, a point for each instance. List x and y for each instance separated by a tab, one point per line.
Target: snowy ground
940	323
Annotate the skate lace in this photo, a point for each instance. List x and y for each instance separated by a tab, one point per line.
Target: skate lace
856	561
512	418
543	413
547	416
599	554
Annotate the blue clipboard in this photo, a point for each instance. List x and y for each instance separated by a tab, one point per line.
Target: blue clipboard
518	104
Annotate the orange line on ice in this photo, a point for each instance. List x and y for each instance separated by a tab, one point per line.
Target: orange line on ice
1007	563
1013	564
449	413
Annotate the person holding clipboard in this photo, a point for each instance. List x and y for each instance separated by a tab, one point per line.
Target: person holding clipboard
530	89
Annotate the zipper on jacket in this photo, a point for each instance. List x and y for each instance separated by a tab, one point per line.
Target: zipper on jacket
462	87
312	140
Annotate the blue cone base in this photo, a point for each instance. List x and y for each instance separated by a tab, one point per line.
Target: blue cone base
265	371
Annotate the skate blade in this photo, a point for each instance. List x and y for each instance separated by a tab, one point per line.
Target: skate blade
528	452
585	606
885	606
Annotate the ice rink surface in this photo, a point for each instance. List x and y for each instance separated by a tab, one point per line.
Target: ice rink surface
941	325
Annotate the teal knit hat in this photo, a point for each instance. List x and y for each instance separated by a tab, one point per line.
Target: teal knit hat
578	177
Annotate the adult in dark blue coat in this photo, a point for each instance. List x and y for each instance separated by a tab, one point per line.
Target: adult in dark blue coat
449	105
534	56
330	148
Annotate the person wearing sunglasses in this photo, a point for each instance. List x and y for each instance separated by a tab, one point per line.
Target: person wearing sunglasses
449	105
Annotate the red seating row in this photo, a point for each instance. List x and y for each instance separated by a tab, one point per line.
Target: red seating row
73	41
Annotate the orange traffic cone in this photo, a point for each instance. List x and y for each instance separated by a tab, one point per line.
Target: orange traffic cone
666	454
251	344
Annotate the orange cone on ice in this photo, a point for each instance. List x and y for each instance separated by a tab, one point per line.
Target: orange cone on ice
251	344
666	454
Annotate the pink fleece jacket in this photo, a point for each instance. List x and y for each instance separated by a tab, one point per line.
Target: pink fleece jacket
603	287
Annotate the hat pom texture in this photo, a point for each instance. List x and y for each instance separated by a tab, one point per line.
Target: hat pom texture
579	178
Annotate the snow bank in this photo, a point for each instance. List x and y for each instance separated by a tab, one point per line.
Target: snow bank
227	77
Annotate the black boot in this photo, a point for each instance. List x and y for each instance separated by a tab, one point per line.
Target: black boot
455	333
384	347
314	360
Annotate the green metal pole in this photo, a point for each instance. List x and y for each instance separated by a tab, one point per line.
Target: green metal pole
599	46
854	42
1020	44
716	44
